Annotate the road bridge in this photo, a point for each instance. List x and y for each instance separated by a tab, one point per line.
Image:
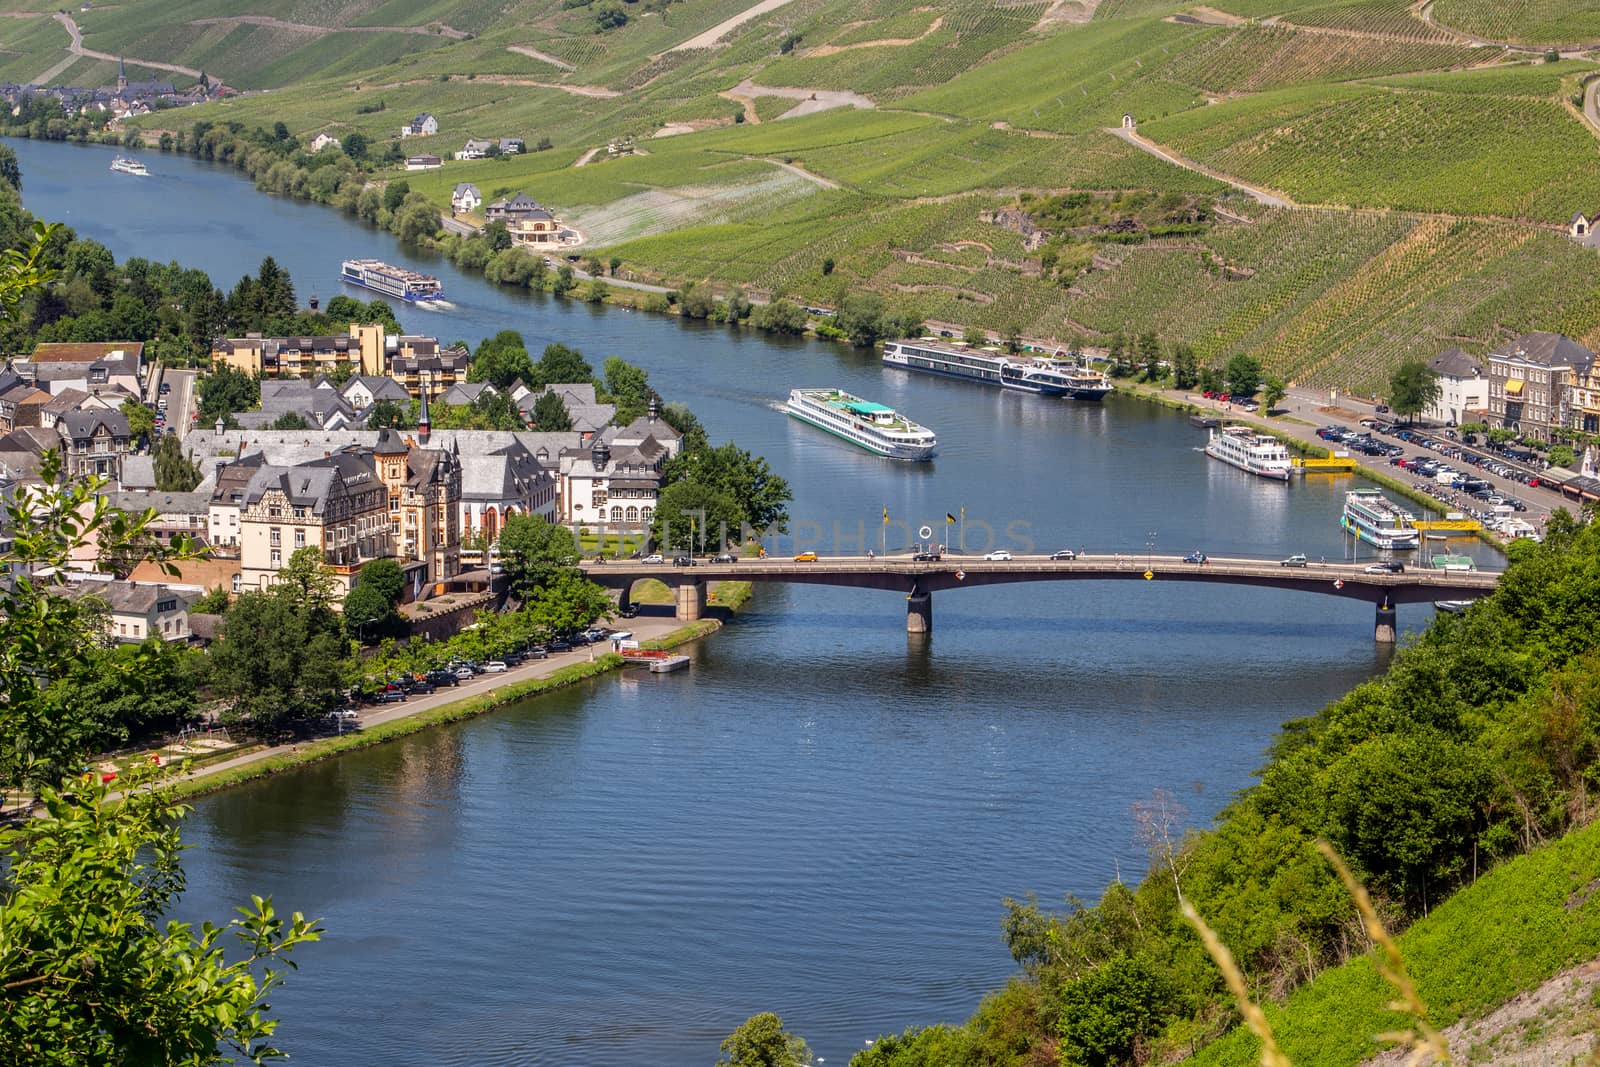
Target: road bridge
918	581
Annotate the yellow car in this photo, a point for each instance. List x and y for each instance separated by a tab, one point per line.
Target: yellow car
806	557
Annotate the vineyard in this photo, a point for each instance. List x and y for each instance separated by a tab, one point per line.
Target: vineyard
1522	21
1427	151
1255	58
1389	18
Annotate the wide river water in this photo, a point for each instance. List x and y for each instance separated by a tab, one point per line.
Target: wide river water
819	818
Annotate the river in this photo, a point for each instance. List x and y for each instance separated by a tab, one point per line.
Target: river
819	818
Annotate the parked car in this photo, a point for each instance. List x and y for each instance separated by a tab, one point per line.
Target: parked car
1065	553
495	666
806	557
1382	409
559	646
654	557
443	677
1387	566
1195	557
347	714
1296	560
999	555
166	387
420	685
463	674
390	696
630	612
513	659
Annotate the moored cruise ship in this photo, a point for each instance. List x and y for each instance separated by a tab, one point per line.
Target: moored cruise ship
1377	520
392	281
1242	447
1046	377
871	426
129	166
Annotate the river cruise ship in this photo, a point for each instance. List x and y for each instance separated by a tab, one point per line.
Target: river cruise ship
129	166
996	368
1239	446
876	428
1377	520
392	281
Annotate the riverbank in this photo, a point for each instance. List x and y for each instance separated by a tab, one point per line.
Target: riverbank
1180	401
390	722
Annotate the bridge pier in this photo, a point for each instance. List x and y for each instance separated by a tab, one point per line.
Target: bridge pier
919	613
691	600
1384	631
624	598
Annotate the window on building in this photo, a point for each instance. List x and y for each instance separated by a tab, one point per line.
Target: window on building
277	558
299	539
238	583
276	537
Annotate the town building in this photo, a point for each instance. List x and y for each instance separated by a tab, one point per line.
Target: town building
20	402
1583	400
423	162
93	367
318	403
1463	388
424	492
363	391
336	504
177	515
421	365
464	393
1529	379
362	350
617	478
424	125
324	140
228	490
135	611
465	199
94	442
517	207
589	416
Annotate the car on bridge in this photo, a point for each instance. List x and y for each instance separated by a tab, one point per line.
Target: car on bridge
1296	560
725	557
806	557
1195	557
654	558
1065	553
927	557
999	555
1387	566
683	561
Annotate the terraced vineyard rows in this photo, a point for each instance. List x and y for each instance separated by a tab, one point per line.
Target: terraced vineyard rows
1515	157
1522	21
1387	17
1254	58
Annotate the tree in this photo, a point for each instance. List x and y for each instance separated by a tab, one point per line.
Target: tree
763	1042
628	387
214	602
225	391
10	170
1243	375
1185	366
861	318
757	495
365	606
976	336
1273	390
386	577
141	420
694	516
174	472
1150	355
387	413
696	301
567	602
89	973
560	365
501	360
289	420
277	660
126	692
306	579
355	145
550	414
780	316
1413	388
534	552
394	194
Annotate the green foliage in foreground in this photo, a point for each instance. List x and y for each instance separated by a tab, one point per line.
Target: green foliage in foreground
1513	929
1479	744
89	973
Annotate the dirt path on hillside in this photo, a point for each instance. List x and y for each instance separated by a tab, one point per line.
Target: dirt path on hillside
883	42
751	116
1144	144
77	50
585	159
543	57
801	172
1066	12
715	34
436	29
811	100
1423	9
599	92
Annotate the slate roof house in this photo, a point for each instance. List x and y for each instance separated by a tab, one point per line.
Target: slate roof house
1529	380
424	125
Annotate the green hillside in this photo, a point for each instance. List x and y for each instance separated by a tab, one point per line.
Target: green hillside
1430	175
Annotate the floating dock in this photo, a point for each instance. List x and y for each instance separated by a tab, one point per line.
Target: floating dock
1465	526
659	662
1326	465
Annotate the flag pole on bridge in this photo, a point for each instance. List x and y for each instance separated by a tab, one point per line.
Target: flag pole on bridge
883	533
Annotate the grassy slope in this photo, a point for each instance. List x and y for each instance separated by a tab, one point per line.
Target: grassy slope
1505	934
1329	117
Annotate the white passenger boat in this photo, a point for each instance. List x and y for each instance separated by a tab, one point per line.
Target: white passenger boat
129	166
867	425
1377	520
1046	377
1242	447
398	282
